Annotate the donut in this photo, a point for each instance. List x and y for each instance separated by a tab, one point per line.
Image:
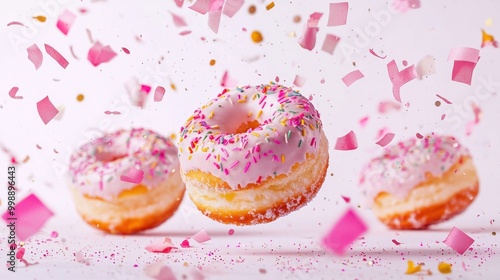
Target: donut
253	154
420	182
126	181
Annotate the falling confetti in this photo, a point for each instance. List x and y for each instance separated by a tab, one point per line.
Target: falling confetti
330	43
13	92
338	14
270	6
347	142
488	40
133	175
100	54
65	21
159	93
346	230
164	246
257	37
35	56
201	236
80	97
352	77
399	78
308	38
385	140
412	268
444	267
458	241
465	60
46	110
56	56
40	18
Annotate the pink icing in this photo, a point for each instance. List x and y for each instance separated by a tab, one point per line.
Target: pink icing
405	164
290	127
97	166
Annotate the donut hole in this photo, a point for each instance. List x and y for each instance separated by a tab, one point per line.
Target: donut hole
244	127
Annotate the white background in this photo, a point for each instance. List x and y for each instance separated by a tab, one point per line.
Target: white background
433	29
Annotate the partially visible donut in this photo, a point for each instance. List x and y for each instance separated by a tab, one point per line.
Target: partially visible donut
253	154
107	187
420	182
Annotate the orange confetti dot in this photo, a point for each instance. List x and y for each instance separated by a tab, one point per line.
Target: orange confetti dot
296	19
173	87
40	18
444	267
270	6
257	37
252	9
212	62
80	97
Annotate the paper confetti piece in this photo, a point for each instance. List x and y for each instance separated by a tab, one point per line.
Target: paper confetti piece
16	23
465	60
270	6
347	142
330	43
164	246
488	40
80	257
231	7
477	117
20	253
159	271
40	18
464	54
201	6
308	38
65	21
363	121
112	113
444	267
399	78
426	66
405	5
346	199
444	99
178	20
100	54
458	241
46	110
338	14
35	55
376	55
185	243
352	77
227	81
299	81
385	140
396	242
56	56
31	215
179	3
201	236
185	32
159	92
386	106
412	268
125	50
13	92
54	234
133	175
215	14
347	229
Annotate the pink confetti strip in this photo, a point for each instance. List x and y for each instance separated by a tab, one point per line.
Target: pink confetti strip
352	77
65	21
215	14
227	81
458	241
346	230
201	6
185	32
13	92
46	110
308	38
35	56
347	142
330	43
201	236
31	214
444	99
16	23
231	7
56	56
399	78
376	55
133	175
159	93
385	140
338	14
164	246
396	242
178	20
125	50
112	113
299	81
100	54
386	106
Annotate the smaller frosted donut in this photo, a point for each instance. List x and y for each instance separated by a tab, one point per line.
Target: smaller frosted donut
420	182
253	154
126	181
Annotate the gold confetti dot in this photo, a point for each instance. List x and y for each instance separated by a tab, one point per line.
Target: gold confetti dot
257	37
493	233
444	267
173	87
212	62
270	6
40	18
437	103
80	97
296	19
252	9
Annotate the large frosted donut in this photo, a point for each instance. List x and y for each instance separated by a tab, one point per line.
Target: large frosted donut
126	181
253	154
420	182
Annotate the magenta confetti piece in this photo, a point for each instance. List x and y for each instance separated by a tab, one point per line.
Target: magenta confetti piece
54	234
185	32
159	93
179	3
386	106
56	56
344	232
346	199
399	78
465	60
100	54
46	110
13	92
125	50
185	243
65	21
159	271
385	140
227	81
338	14
133	175
201	236
231	7
31	215
299	81
396	242
352	77
376	55
20	253
347	142
458	241
308	38
178	20
35	56
164	246
230	232
330	43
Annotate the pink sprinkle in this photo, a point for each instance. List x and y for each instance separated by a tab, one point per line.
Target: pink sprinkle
125	50
385	140
201	236
100	54
330	43
347	229
31	215
308	38
54	234
419	136
276	79
185	32
46	110
230	232
346	199
65	21
312	141
444	99
234	164
133	175
347	142
299	81
178	20
458	241
13	92
56	56
443	116
164	246
338	14
35	56
376	55
399	78
352	77
396	242
231	7
185	243
112	113
159	92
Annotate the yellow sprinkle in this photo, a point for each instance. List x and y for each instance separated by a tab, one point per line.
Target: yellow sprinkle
311	126
259	113
218	157
80	97
40	18
211	115
254	96
412	268
212	62
270	6
257	37
180	148
242	100
444	267
303	132
255	134
282	158
189	157
204	149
